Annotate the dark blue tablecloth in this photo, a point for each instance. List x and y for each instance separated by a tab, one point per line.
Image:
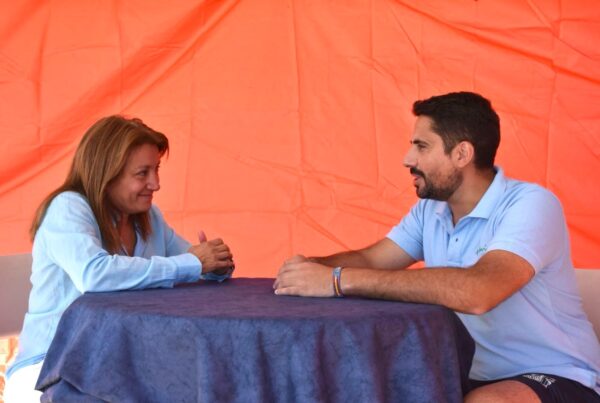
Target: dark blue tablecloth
238	342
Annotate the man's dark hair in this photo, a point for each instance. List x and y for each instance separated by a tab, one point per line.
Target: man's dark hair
464	116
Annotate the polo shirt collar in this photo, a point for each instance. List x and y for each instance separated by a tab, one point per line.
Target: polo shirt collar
491	197
486	204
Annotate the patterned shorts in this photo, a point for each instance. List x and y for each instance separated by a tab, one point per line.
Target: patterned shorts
550	388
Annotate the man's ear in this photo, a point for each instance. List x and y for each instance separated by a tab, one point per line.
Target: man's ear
463	154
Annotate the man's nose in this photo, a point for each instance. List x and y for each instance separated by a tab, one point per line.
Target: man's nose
409	159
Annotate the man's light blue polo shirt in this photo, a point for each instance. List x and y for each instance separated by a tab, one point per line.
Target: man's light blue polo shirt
542	327
69	259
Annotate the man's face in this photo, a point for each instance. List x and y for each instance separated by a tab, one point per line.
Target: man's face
435	175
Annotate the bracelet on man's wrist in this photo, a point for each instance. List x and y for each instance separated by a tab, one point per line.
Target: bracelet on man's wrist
337	284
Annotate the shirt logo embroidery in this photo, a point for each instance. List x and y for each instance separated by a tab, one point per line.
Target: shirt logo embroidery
544	380
480	250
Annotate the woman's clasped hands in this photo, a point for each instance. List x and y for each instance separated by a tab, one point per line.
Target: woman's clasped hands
215	255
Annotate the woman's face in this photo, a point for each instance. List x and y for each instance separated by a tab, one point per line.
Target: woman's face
131	191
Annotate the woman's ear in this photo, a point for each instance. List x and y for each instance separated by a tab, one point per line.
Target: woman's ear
463	154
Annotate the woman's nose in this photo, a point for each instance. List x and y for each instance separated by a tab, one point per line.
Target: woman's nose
153	183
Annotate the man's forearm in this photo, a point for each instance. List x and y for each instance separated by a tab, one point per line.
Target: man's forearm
444	286
475	290
384	254
348	258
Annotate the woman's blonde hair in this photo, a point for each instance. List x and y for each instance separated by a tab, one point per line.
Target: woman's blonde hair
99	159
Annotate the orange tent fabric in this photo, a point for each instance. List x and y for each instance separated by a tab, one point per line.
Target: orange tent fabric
289	119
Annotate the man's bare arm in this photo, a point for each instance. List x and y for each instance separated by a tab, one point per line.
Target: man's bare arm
384	254
475	290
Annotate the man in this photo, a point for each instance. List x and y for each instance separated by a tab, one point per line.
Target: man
502	257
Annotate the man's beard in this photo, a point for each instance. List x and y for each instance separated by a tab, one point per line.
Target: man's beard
441	191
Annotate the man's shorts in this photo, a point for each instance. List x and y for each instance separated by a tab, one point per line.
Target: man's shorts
551	388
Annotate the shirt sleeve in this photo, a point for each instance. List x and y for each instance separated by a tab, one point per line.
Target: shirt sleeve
533	227
217	277
408	234
71	238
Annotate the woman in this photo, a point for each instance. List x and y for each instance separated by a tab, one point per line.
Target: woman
100	232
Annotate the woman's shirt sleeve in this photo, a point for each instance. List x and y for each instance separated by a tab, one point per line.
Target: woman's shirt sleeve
71	238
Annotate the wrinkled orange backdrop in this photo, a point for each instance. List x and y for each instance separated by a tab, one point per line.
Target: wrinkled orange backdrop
289	119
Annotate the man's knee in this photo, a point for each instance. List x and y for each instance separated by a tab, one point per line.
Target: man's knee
502	392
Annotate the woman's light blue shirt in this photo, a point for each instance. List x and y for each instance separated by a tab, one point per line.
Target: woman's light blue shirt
69	260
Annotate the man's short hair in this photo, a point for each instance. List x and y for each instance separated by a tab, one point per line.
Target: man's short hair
464	116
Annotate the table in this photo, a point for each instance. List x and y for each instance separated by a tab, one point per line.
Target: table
238	342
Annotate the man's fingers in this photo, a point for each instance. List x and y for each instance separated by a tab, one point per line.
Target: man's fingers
280	281
286	291
297	259
289	267
286	279
201	236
